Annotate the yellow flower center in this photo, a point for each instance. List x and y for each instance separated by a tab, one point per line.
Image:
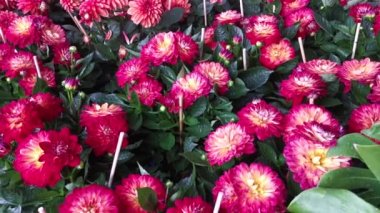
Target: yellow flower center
23	26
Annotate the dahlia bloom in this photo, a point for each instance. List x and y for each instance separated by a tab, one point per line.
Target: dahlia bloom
343	2
321	67
91	198
263	32
5	148
29	80
27	162
304	113
192	86
146	12
261	119
228	142
228	17
22	31
48	106
104	124
161	49
362	10
70	5
304	16
225	185
225	56
6	17
308	161
53	34
60	148
259	188
190	205
275	54
209	37
131	71
215	73
316	133
300	85
35	7
374	97
184	4
262	18
364	71
187	48
290	6
17	64
93	10
148	90
62	54
127	192
18	119
5	51
364	117
118	4
376	25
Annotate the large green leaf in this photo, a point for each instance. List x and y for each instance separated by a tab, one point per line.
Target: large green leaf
196	158
322	200
350	178
147	198
345	146
166	140
373	132
171	17
255	77
370	155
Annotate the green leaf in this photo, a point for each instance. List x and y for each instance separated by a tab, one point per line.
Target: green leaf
166	140
345	146
40	86
255	77
370	155
196	158
200	130
287	67
373	132
323	23
291	32
86	70
171	17
199	107
360	92
322	200
104	52
237	90
147	198
227	32
350	178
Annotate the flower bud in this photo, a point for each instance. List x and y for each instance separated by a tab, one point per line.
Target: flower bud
230	83
162	108
122	52
73	49
168	184
70	84
259	44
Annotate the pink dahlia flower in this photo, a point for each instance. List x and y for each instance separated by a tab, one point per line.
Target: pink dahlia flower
305	16
275	54
127	192
131	71
146	12
362	10
161	49
228	142
300	85
148	90
308	161
261	119
190	205
91	198
215	73
364	117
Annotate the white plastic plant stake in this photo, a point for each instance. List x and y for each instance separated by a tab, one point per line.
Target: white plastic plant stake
245	62
300	42
37	67
273	8
2	36
115	158
180	115
241	8
205	12
218	202
203	30
355	45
